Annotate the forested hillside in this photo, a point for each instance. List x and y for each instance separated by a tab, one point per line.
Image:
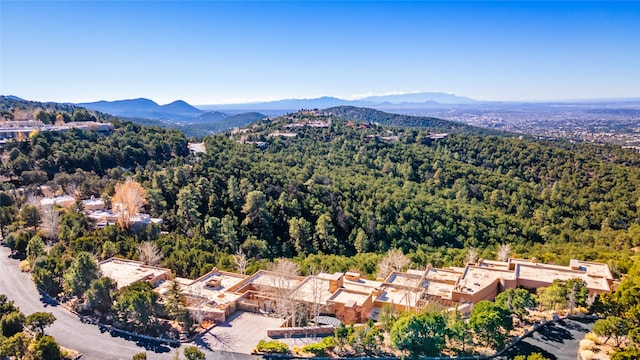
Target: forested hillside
345	187
390	119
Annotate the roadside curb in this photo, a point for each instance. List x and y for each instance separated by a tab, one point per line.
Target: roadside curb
110	328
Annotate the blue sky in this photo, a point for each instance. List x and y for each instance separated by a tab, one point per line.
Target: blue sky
208	52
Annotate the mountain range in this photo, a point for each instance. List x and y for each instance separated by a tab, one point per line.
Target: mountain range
177	115
182	111
145	108
411	99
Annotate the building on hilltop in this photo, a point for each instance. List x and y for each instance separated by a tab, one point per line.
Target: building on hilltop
352	299
21	130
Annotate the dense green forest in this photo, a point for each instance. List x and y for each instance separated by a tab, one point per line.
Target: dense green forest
333	190
389	119
345	189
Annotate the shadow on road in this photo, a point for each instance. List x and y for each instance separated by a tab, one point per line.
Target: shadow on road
149	345
556	341
555	333
526	348
47	300
580	325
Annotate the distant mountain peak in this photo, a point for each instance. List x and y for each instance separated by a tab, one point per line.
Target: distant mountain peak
145	108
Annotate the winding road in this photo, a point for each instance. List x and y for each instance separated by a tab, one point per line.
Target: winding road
72	333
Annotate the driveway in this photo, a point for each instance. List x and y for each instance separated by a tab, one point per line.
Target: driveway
240	333
70	332
556	341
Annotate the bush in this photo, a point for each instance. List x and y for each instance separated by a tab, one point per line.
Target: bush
319	348
272	347
24	266
593	337
586	344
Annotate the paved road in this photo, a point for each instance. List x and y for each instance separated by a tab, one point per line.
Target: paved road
556	341
70	332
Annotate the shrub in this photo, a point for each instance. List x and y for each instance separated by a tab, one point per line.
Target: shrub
586	344
24	266
593	337
320	348
272	347
587	355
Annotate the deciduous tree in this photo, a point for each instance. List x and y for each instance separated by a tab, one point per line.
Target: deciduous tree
128	200
149	253
504	251
394	260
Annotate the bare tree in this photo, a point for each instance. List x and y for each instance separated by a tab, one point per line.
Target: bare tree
149	253
285	267
240	259
504	251
285	303
51	220
394	260
472	256
71	188
317	294
128	200
32	199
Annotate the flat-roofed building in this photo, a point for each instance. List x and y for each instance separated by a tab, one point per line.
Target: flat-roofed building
351	298
208	297
353	281
65	201
126	272
402	298
351	307
267	281
93	204
481	283
484	280
265	291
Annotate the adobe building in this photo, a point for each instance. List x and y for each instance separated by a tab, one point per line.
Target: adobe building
484	280
207	297
126	272
352	299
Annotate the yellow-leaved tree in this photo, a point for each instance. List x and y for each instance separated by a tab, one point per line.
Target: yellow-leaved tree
128	200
